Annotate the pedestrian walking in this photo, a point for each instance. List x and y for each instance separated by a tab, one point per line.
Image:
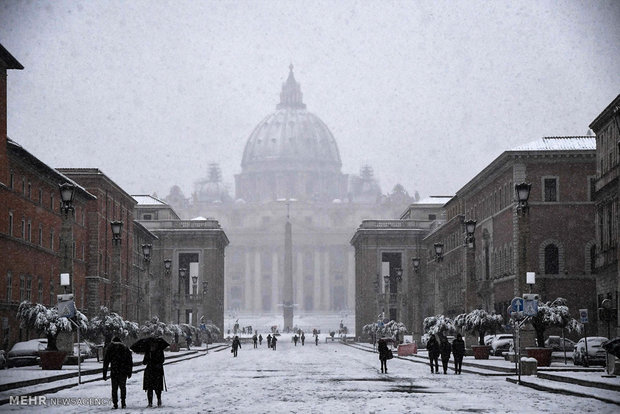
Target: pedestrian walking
295	339
188	339
433	353
269	341
303	339
445	349
458	350
154	373
255	340
260	339
236	343
316	339
383	354
273	342
118	357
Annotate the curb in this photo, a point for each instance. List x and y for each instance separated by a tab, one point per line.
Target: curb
563	392
581	382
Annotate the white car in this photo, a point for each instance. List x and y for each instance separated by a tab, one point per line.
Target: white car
596	353
501	343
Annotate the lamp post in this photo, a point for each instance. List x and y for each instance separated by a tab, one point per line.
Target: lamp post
164	291
194	285
438	259
117	228
522	192
470	264
391	282
182	275
205	285
416	264
146	252
67	193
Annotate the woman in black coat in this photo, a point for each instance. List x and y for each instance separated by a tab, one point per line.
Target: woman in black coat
154	373
236	343
433	353
458	350
383	354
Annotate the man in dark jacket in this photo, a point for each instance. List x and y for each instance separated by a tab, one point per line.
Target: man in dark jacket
433	353
273	342
255	340
269	341
260	339
236	343
118	357
458	350
445	349
303	338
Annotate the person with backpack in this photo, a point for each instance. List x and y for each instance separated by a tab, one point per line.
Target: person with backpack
445	349
458	350
383	354
236	344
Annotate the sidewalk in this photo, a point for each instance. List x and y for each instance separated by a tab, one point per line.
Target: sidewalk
558	378
32	380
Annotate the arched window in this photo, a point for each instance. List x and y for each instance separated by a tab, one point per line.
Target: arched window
552	260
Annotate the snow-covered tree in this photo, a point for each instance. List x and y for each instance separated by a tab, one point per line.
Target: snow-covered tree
388	329
479	322
553	314
106	325
46	321
155	327
438	324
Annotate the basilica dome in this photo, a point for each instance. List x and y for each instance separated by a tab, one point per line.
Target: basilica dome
291	138
291	154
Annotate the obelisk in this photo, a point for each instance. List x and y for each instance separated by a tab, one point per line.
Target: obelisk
287	291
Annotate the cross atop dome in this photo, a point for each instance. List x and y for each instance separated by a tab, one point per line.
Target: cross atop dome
291	96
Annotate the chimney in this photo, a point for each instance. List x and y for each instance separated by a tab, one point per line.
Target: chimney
6	62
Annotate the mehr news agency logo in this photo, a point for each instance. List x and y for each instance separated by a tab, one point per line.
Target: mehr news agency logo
48	401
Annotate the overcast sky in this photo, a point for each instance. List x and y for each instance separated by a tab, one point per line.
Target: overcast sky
427	93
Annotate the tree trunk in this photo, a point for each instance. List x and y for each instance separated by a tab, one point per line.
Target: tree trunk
481	337
51	343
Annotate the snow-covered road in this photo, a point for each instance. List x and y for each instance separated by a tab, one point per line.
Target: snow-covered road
327	378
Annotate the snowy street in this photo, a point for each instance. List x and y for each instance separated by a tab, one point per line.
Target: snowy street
330	377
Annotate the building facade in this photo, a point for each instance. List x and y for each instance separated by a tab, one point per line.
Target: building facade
606	126
109	262
198	246
387	284
555	239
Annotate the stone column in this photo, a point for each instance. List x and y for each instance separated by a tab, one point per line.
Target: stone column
299	278
247	290
275	280
350	275
326	282
258	282
317	281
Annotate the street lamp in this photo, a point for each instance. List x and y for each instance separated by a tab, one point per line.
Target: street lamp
523	194
117	227
67	192
205	285
167	266
194	283
470	228
416	264
146	252
438	251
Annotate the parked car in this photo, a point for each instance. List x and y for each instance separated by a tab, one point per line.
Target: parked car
2	359
557	344
488	339
26	353
86	350
501	343
596	354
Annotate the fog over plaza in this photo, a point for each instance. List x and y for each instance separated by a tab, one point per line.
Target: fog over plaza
151	92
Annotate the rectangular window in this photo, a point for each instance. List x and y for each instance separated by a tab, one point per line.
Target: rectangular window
592	188
40	196
147	217
52	295
11	180
52	239
29	191
24	186
52	201
40	282
550	188
40	235
9	287
29	288
23	228
22	288
10	223
29	231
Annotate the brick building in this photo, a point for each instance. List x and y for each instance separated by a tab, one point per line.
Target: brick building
606	126
32	249
109	265
556	239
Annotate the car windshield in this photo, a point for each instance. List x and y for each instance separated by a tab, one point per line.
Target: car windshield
504	337
20	346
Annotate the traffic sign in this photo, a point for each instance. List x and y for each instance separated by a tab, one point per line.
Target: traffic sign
583	315
530	307
517	305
